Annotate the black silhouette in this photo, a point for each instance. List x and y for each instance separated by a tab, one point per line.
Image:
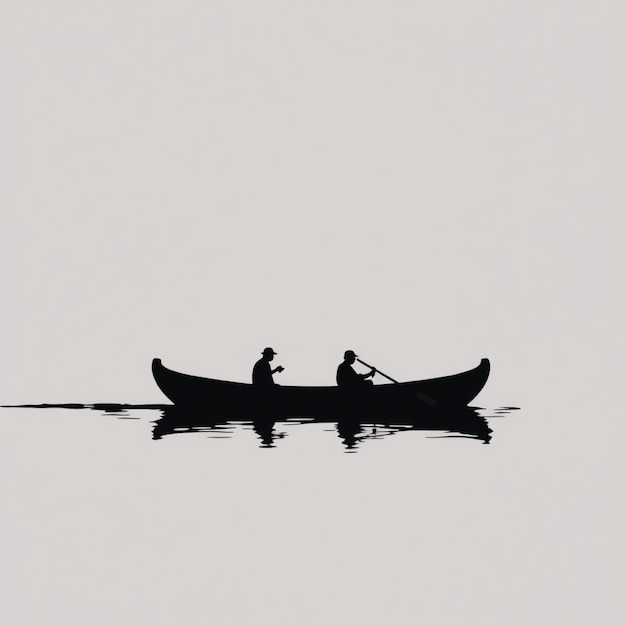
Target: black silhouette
232	400
264	428
262	373
465	422
106	407
393	380
352	429
347	378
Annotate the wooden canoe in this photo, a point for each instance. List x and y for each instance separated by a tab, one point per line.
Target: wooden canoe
225	398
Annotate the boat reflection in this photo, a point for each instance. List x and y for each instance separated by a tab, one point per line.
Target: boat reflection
467	422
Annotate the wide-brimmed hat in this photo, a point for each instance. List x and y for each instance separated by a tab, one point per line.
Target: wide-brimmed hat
269	351
348	353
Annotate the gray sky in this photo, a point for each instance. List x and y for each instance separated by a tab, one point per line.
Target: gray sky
426	183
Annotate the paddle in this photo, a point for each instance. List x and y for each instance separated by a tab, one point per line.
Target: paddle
426	399
377	371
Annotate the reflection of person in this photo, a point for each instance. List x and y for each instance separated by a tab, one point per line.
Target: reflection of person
347	377
262	372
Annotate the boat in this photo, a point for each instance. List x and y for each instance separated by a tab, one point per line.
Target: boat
225	399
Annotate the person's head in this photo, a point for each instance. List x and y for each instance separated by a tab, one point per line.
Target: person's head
268	354
349	356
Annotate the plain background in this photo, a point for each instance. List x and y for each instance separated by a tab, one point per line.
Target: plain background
425	183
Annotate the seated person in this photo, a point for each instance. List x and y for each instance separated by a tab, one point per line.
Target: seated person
262	372
346	376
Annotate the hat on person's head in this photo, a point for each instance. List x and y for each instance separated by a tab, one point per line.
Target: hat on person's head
268	351
348	353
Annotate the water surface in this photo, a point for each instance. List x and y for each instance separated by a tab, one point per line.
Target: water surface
114	514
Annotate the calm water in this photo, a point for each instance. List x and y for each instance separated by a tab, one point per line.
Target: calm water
164	420
118	516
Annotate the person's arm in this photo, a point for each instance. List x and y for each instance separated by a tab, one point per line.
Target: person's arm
280	368
371	373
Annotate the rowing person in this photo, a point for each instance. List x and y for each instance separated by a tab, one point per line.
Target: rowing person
262	373
347	377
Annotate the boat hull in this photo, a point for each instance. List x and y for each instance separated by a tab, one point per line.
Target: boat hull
232	399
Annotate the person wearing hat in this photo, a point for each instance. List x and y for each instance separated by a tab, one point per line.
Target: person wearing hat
347	377
262	372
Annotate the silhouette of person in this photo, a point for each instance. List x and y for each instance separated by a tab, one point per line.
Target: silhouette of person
262	372
347	377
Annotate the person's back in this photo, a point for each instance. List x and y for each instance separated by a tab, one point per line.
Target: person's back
262	374
347	378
